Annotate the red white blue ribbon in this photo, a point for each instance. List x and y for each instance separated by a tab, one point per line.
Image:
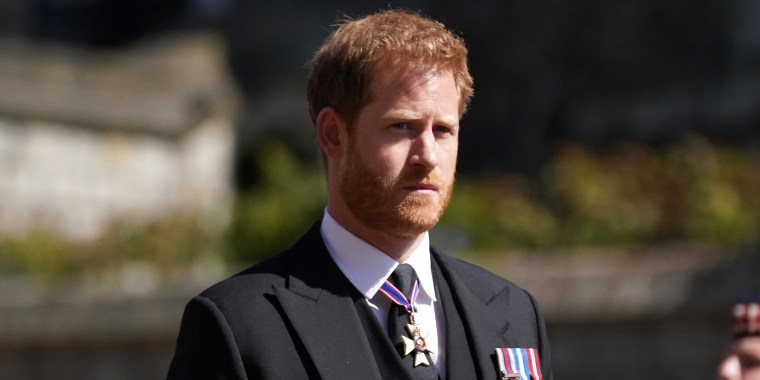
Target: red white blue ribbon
519	363
417	342
397	297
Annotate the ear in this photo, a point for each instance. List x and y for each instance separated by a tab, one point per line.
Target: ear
331	132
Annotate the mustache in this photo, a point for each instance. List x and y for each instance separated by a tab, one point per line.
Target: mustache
424	177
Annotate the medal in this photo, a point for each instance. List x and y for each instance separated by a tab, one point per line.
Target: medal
518	363
417	344
414	342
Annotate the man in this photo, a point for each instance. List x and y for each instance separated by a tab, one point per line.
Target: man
362	295
742	362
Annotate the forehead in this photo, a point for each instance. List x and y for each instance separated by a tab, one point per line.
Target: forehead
398	80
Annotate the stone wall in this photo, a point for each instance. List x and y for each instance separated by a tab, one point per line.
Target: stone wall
88	138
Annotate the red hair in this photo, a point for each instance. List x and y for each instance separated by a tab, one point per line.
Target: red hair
342	70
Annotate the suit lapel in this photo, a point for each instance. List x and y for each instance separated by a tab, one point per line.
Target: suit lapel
487	329
318	303
459	360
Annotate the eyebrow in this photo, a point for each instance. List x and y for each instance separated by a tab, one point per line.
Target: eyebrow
414	115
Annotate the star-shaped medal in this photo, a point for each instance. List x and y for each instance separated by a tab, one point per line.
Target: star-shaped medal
417	343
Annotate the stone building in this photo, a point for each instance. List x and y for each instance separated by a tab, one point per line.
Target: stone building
92	137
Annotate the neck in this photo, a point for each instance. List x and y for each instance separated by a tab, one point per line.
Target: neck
397	247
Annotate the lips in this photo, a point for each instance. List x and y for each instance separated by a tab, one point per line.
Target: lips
422	187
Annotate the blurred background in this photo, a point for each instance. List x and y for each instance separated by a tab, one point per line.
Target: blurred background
610	164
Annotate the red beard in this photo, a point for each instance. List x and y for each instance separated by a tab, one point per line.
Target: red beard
384	204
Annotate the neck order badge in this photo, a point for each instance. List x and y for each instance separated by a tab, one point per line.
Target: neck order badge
417	342
519	363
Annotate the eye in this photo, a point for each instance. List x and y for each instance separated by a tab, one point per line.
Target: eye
443	129
400	126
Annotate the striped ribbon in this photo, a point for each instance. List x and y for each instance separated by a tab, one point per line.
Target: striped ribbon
519	363
746	319
398	297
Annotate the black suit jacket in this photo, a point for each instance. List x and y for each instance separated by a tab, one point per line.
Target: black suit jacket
292	317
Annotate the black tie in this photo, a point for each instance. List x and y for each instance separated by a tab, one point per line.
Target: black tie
403	278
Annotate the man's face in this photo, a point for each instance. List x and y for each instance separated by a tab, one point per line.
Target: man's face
399	169
742	361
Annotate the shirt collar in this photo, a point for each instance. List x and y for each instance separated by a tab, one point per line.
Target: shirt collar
366	266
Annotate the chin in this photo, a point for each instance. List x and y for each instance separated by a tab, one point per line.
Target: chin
414	221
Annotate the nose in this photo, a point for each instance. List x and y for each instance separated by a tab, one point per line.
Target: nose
730	369
424	150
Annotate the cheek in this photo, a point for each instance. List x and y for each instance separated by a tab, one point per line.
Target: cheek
392	161
447	159
380	160
388	157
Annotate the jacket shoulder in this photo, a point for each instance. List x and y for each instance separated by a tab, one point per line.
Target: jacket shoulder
254	280
484	283
260	278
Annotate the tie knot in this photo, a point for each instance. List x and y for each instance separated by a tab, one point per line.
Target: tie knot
403	278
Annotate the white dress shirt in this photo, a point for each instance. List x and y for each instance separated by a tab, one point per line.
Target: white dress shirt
367	268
